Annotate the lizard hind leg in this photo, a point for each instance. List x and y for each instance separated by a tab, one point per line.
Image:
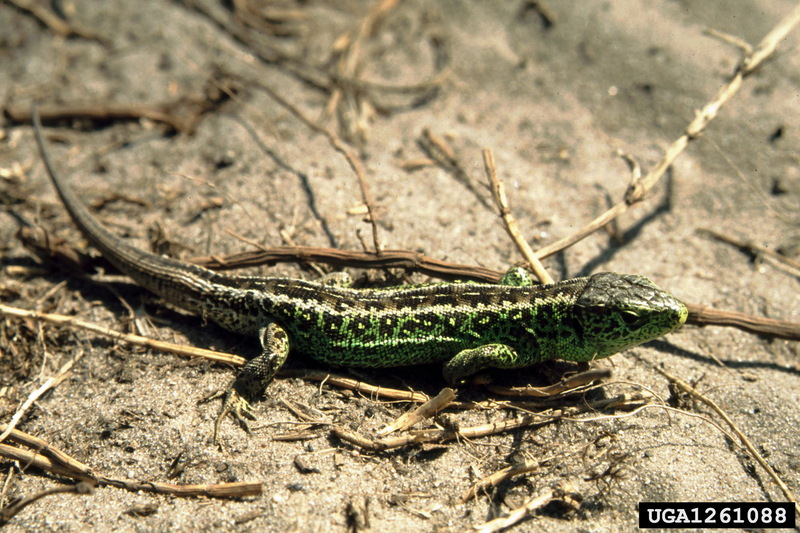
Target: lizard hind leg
517	277
254	377
341	280
472	360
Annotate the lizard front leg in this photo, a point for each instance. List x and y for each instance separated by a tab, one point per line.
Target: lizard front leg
472	360
255	376
468	362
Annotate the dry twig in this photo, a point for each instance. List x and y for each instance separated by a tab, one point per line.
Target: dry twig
55	23
442	154
499	194
742	437
498	477
371	391
440	436
788	264
566	384
405	259
340	146
640	187
35	395
136	340
47	457
699	315
534	504
348	98
181	115
8	512
423	412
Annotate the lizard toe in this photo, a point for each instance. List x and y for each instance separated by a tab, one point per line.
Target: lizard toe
238	407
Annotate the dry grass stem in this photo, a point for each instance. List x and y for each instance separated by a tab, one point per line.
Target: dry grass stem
567	384
440	436
423	412
755	249
520	513
56	24
343	148
354	109
136	340
49	458
498	477
688	389
442	154
370	391
17	505
35	395
500	199
640	187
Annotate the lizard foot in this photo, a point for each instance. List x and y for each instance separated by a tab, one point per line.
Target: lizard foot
238	407
254	377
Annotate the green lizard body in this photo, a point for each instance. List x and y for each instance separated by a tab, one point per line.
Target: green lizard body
467	326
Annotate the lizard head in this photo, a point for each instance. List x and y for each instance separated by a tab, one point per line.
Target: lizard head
616	311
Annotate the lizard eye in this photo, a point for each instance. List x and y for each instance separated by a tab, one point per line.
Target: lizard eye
631	319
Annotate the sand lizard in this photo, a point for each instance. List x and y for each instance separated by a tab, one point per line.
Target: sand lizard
466	326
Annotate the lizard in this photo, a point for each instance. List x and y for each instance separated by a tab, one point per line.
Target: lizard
467	327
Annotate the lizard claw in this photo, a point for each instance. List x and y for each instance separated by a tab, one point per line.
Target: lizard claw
238	407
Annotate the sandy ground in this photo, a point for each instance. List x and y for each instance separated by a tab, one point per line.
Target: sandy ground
554	101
